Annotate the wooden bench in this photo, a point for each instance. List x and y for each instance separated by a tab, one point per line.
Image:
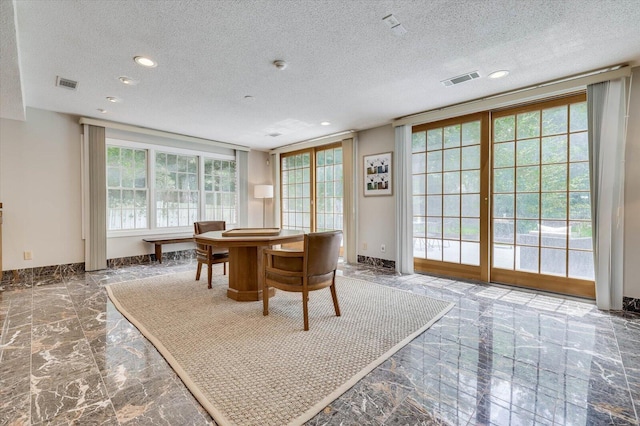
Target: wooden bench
169	239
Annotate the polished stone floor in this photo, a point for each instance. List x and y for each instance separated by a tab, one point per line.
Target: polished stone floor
500	356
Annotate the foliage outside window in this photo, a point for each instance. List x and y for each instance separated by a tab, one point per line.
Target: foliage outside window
220	190
127	188
176	191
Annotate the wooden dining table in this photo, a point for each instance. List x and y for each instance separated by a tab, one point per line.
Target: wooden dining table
246	255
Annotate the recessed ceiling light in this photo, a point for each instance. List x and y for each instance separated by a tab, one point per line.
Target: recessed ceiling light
128	81
113	99
145	62
325	123
499	74
249	98
102	111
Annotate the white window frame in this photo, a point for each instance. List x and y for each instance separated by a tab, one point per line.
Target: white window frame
151	149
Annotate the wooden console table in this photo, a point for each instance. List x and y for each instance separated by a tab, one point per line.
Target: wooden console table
246	258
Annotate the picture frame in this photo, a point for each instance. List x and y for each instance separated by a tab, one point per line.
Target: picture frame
378	174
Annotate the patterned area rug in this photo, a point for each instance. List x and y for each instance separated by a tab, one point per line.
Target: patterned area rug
247	369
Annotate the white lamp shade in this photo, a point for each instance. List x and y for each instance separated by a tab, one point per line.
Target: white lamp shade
263	191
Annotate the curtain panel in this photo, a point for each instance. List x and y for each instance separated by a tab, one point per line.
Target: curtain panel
95	197
606	107
404	201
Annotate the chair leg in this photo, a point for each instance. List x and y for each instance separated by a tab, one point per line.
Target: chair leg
334	295
198	271
210	272
224	268
265	299
305	309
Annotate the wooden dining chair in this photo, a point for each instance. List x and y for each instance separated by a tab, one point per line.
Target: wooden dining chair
311	269
209	254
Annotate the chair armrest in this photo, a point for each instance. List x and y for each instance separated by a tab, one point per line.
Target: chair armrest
284	253
272	264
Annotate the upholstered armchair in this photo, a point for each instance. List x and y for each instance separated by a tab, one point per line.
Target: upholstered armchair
208	254
312	269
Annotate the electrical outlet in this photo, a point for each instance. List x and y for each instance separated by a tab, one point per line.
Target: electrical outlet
28	255
383	248
364	246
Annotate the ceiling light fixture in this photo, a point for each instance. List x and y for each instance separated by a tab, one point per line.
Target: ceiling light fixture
325	123
145	62
128	81
102	111
249	98
499	74
113	99
280	64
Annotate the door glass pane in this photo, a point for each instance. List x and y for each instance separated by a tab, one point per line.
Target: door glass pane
552	261
554	120
503	154
470	253
503	129
503	255
527	259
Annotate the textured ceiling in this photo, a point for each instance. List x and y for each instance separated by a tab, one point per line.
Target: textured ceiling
345	64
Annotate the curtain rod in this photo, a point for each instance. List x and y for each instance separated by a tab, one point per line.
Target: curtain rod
528	94
160	133
323	140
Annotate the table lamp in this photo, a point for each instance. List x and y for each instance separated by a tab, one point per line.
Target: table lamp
263	191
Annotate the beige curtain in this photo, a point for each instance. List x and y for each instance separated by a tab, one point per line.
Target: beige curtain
95	245
606	106
349	202
404	201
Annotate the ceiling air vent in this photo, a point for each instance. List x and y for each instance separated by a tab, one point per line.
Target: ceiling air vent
66	83
461	79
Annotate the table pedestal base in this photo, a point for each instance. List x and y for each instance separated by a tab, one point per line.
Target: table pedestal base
245	274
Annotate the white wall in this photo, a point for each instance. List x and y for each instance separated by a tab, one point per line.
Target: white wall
632	194
259	174
40	187
376	215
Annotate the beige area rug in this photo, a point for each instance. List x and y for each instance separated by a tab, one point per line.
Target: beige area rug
247	369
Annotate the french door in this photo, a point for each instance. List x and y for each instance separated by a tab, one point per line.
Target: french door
450	181
504	196
541	220
312	189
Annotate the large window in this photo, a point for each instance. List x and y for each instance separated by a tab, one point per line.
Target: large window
127	188
153	187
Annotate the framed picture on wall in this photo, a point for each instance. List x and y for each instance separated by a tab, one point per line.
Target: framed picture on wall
378	174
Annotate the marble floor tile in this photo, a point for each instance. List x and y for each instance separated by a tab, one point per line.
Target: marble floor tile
501	356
